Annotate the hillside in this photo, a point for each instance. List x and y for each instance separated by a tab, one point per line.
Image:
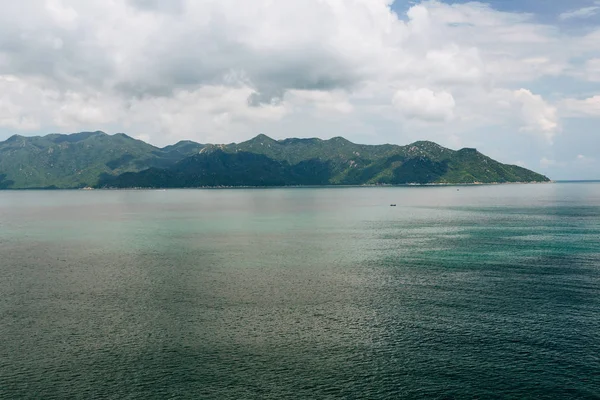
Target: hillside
100	160
80	159
263	161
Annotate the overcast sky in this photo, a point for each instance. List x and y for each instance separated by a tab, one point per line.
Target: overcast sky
517	79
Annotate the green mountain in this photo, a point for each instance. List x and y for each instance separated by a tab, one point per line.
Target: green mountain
81	159
263	161
100	160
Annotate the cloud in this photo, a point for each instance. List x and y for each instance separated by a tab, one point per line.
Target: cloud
223	70
589	107
570	166
545	162
211	112
548	162
425	104
591	70
585	12
581	159
537	114
80	109
64	16
15	94
329	102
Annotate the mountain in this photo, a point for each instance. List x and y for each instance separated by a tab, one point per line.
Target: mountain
80	159
100	160
263	161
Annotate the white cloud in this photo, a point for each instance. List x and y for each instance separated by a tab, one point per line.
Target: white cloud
592	70
589	107
64	16
222	70
328	102
585	12
15	95
425	104
548	162
584	159
454	65
537	114
209	113
77	110
545	162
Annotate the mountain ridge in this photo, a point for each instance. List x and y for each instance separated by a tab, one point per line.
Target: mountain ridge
96	159
76	160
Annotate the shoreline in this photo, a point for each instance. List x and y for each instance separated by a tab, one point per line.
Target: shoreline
299	186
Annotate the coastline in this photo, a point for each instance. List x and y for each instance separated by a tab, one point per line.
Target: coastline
300	186
383	185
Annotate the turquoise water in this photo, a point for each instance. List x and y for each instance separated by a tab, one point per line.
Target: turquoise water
469	292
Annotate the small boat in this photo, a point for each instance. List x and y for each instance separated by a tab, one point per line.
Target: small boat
392	205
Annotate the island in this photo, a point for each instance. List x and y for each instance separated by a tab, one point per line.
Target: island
98	160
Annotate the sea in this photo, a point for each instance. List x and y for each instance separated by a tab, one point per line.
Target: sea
456	292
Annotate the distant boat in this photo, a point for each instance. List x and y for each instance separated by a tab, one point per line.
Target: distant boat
392	205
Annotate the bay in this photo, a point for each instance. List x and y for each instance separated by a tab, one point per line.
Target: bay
306	293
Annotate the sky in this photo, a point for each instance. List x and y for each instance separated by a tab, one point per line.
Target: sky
517	79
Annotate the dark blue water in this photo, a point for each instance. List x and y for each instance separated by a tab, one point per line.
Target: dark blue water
471	292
